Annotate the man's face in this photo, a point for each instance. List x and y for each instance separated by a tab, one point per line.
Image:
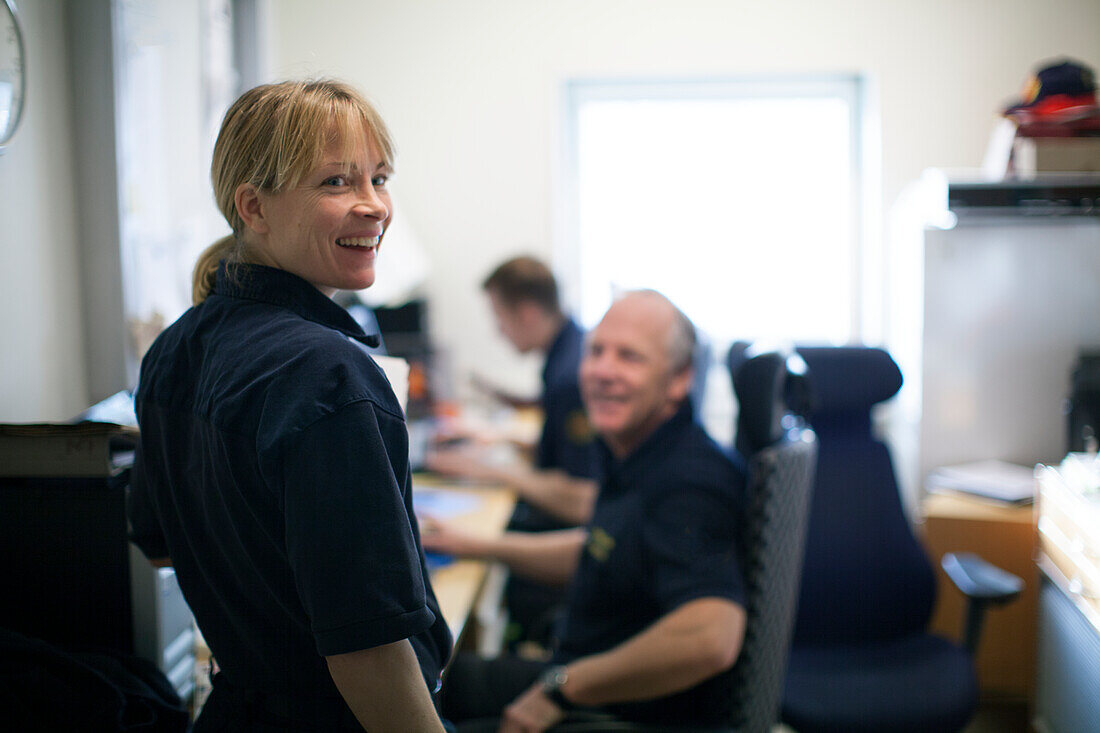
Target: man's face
626	377
514	322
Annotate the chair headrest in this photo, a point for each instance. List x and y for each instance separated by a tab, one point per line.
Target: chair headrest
850	378
761	381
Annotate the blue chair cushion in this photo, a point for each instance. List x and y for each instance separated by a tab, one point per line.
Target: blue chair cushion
918	683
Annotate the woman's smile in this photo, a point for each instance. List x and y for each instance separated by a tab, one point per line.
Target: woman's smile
329	227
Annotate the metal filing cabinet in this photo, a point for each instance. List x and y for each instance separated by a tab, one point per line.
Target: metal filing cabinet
164	629
1069	604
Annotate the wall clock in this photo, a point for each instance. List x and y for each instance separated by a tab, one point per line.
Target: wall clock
13	80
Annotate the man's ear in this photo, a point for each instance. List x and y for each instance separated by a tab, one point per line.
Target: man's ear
529	313
250	208
680	386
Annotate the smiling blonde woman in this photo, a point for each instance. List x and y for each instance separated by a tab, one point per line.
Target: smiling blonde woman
273	467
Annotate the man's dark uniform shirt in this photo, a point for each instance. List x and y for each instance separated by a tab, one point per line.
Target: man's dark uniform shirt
273	470
664	532
566	442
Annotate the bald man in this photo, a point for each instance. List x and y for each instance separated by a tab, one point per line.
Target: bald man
655	615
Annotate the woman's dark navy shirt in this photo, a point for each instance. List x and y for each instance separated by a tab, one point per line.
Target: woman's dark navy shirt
664	532
273	469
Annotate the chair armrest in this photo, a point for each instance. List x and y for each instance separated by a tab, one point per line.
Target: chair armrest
980	580
983	584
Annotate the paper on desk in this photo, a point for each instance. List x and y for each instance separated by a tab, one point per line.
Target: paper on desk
397	372
991	479
441	503
436	560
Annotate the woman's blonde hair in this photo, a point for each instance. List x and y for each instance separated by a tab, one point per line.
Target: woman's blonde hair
271	137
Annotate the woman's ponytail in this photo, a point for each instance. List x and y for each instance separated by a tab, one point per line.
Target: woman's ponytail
205	273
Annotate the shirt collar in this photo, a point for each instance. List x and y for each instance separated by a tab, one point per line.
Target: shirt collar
569	332
652	450
287	290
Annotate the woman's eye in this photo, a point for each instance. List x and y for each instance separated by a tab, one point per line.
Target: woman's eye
335	181
379	180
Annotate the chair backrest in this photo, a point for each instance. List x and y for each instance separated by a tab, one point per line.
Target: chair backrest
865	575
771	387
782	454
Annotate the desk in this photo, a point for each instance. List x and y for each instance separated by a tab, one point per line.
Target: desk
460	585
1005	536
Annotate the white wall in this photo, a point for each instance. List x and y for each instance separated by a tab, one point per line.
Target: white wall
473	89
998	360
42	347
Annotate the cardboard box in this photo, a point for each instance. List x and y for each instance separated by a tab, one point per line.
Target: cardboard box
62	450
1031	155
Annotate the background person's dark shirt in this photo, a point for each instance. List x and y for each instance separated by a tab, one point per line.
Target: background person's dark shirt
273	470
566	442
664	532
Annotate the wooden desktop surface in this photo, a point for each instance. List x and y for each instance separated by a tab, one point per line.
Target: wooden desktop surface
458	585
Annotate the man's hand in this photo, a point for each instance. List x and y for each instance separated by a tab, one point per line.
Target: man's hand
531	712
463	462
486	386
547	557
441	537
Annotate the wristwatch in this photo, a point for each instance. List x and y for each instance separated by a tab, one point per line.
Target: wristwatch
552	680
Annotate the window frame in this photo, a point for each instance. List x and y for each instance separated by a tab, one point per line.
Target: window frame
866	300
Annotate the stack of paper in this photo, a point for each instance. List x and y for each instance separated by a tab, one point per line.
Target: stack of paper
1007	482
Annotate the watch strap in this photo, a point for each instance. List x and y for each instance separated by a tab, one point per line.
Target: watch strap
554	695
552	680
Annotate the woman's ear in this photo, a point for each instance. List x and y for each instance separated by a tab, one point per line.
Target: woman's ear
249	207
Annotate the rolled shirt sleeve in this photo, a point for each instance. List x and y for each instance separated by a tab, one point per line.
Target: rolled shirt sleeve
349	535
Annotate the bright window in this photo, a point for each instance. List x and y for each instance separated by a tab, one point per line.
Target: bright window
175	80
740	201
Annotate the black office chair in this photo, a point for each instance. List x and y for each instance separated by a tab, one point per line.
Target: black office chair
782	454
861	659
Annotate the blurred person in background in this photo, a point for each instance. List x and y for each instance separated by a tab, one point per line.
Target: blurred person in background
655	614
558	490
